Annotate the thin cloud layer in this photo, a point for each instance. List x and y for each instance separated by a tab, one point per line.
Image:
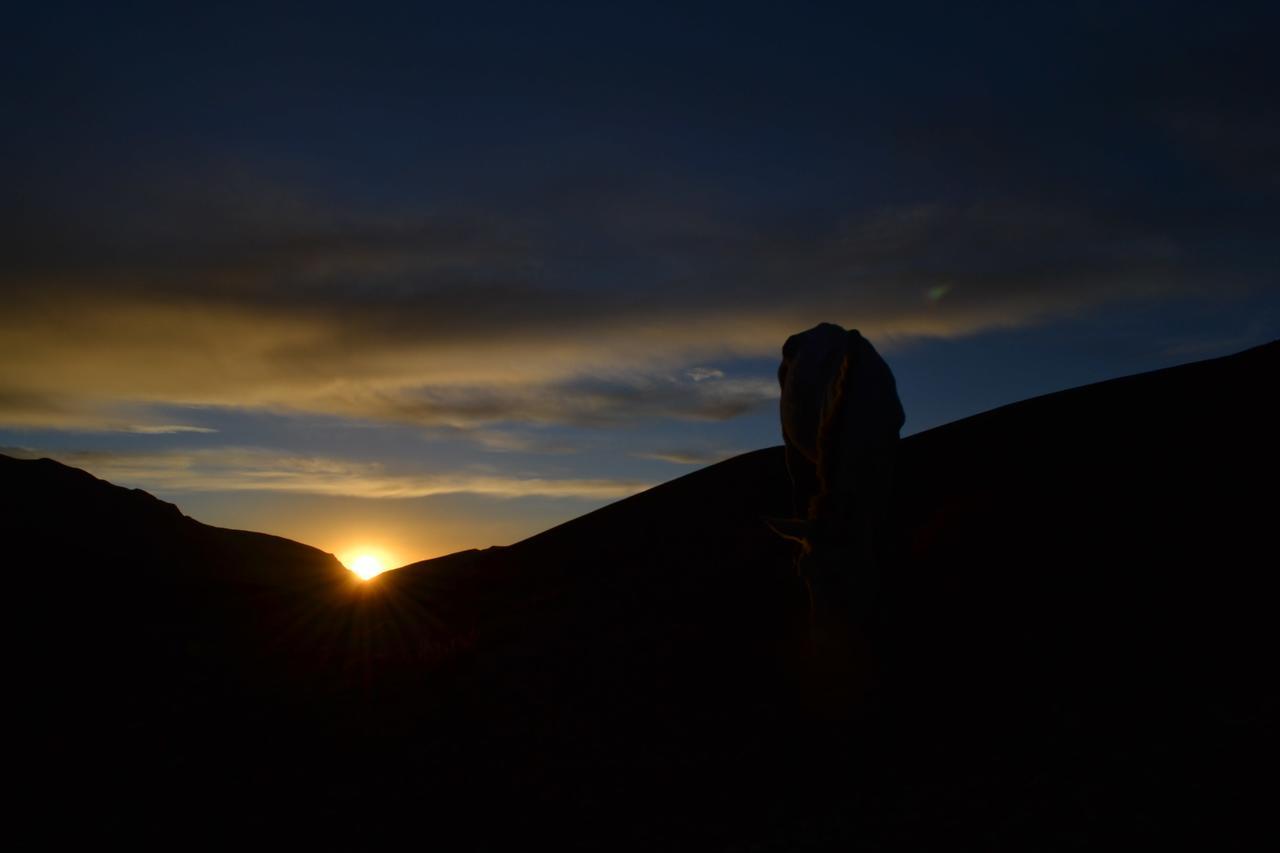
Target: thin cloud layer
689	456
257	469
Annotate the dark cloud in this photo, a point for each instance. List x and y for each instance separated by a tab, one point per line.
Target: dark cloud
386	324
584	403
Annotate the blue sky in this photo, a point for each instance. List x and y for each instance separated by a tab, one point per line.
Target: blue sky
419	278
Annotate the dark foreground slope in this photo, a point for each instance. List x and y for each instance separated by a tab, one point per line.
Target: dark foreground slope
143	644
1076	633
1075	643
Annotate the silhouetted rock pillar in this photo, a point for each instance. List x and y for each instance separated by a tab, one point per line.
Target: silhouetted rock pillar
841	419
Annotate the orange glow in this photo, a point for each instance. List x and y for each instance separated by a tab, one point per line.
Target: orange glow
366	563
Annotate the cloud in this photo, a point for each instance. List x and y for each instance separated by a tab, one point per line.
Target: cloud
259	469
470	320
20	408
167	429
510	441
686	456
585	402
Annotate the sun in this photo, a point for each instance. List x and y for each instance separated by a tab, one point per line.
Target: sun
366	566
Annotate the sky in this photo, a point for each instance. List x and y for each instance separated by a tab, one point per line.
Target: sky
416	278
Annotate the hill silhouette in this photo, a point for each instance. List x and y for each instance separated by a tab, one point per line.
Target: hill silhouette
1075	638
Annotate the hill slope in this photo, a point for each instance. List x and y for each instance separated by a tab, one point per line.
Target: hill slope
1075	622
1075	633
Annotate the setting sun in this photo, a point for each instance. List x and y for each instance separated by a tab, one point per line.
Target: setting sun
366	565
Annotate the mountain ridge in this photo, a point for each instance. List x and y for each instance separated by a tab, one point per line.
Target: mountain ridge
1072	638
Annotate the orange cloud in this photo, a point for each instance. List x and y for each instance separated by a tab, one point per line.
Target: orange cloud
437	323
255	470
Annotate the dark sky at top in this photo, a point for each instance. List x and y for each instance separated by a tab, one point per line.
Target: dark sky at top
541	256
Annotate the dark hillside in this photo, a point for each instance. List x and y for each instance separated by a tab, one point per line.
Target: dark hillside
1076	619
1075	635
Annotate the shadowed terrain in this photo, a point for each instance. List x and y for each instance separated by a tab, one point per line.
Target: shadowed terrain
1075	641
